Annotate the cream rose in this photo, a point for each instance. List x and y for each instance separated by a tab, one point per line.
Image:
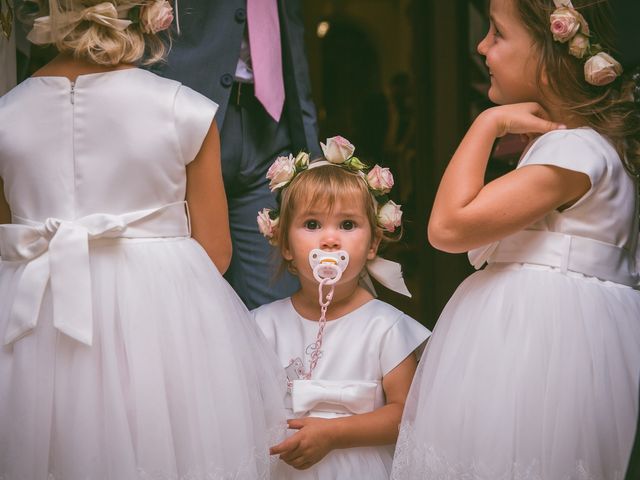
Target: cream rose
281	172
390	216
156	16
266	224
579	45
601	69
565	23
380	179
337	150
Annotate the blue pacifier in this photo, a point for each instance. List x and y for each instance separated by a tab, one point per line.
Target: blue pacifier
328	266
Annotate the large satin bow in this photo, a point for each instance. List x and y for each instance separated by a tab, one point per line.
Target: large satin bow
479	256
57	251
104	13
339	396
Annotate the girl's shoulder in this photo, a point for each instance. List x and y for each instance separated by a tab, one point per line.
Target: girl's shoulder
271	312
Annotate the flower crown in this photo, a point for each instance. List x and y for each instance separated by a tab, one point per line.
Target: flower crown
568	25
338	151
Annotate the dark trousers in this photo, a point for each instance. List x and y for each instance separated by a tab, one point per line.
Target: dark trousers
250	140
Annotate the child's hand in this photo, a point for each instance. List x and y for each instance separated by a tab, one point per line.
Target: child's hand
520	118
307	446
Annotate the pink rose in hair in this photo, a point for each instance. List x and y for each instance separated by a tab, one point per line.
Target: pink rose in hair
601	69
565	23
390	216
380	179
337	150
281	172
579	45
266	224
156	16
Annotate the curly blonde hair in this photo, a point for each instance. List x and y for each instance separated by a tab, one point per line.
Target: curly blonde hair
612	110
100	43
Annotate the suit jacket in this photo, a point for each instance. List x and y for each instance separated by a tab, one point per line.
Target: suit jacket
205	54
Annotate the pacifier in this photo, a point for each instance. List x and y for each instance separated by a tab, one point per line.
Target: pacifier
328	266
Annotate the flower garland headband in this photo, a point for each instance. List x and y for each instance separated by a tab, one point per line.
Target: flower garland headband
153	17
568	25
338	151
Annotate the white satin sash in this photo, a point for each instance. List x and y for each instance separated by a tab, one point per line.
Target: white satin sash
333	396
57	252
565	252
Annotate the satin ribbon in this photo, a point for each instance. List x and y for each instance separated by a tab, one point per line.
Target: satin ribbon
386	272
566	252
104	13
339	396
57	251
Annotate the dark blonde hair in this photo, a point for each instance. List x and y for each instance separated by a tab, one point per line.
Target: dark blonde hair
98	43
325	186
610	110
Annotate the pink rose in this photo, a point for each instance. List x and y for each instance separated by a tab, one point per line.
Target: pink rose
380	179
390	216
565	23
601	69
337	149
156	16
266	224
579	45
281	172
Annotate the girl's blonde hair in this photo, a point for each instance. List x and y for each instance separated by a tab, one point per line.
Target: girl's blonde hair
99	43
611	110
323	187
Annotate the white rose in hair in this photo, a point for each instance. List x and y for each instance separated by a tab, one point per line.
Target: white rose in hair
380	179
281	172
390	216
579	45
266	225
337	150
601	69
565	23
156	16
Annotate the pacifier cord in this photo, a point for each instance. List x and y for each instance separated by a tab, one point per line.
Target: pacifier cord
314	350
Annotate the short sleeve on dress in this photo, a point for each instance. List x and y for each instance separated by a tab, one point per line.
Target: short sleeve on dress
400	340
579	150
193	116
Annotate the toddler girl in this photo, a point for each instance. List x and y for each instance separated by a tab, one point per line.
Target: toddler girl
349	372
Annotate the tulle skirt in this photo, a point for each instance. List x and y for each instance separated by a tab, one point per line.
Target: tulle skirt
530	375
178	384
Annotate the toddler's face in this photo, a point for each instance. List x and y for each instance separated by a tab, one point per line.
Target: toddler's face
346	227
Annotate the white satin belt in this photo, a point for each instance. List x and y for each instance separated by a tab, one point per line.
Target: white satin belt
336	396
57	251
565	252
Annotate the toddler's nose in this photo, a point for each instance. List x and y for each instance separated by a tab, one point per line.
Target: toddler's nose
330	242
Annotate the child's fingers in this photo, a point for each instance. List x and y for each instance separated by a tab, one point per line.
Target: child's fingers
296	423
285	446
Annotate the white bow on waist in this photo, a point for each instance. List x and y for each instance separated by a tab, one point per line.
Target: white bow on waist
57	251
339	396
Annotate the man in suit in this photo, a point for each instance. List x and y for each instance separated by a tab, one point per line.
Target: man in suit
248	56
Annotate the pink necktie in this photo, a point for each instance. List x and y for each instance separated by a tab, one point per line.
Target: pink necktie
266	57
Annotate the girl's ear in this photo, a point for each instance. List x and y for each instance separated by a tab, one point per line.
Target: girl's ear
375	243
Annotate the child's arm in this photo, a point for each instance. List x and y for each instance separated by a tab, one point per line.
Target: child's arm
467	213
318	436
208	202
5	213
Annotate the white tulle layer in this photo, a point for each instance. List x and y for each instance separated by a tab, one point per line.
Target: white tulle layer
530	375
179	383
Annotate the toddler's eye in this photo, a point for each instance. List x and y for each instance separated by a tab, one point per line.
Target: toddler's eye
348	225
311	224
